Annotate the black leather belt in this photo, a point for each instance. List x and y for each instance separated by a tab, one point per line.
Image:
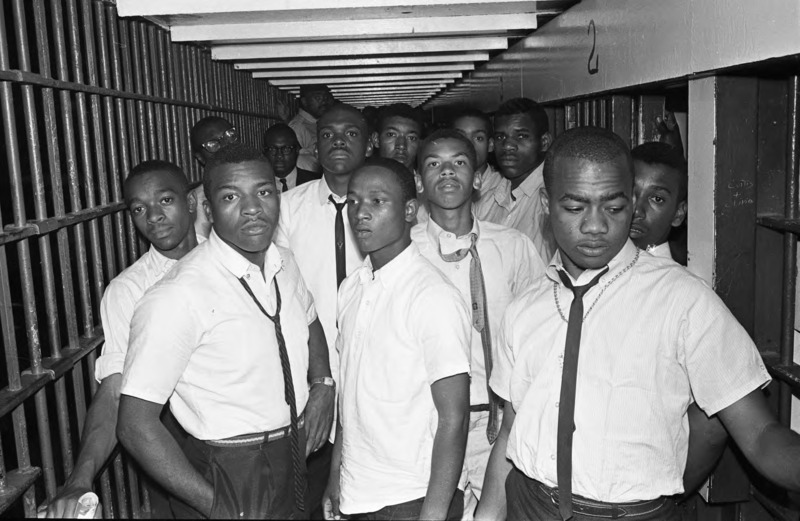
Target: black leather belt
590	507
484	407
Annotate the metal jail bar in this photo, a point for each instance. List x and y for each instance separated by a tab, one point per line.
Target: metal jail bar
84	96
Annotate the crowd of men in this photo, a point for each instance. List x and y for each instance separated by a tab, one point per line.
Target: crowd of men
374	319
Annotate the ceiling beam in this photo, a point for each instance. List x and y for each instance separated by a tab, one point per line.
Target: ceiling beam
353	29
357	48
362	71
365	62
290	86
330	80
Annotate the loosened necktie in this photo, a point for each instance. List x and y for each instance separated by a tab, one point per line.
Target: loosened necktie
341	266
566	405
288	391
284	186
480	321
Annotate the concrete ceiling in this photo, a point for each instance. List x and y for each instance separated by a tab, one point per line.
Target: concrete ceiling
370	52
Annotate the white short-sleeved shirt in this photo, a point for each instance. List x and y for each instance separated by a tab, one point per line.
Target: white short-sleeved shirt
199	340
305	127
403	327
119	301
509	263
490	178
307	229
521	209
653	341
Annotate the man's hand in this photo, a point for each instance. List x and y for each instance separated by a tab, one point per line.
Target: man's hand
668	131
65	504
319	416
330	501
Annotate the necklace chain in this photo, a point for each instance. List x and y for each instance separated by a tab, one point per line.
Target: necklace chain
602	290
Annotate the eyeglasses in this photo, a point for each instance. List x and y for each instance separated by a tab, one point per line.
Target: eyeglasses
286	149
229	136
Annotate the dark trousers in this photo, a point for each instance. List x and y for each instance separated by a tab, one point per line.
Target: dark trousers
319	470
529	499
160	500
410	510
250	482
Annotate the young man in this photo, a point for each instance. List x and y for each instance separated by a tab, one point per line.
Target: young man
315	100
660	189
404	344
208	136
312	225
477	126
490	264
281	148
162	209
521	138
598	428
231	337
398	133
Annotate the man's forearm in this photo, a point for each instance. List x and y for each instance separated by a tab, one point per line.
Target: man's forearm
449	445
778	456
318	361
146	438
99	433
493	498
707	439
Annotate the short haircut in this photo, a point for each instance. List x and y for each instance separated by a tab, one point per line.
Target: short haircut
525	106
594	144
279	127
232	154
448	133
155	165
194	134
656	153
473	112
338	105
403	175
399	110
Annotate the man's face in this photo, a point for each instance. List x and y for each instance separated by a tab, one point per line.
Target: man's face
316	103
162	209
517	145
590	206
243	206
378	216
281	149
398	139
447	174
476	131
658	209
210	136
342	140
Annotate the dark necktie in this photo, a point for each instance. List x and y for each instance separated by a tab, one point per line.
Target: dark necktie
480	321
284	186
288	391
341	266
566	405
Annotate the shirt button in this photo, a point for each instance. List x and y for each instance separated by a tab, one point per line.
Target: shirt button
247	276
458	266
552	457
556	405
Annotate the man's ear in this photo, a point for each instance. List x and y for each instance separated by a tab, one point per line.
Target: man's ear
546	140
545	198
476	181
376	144
370	148
418	183
316	152
191	201
680	214
491	144
207	209
412	206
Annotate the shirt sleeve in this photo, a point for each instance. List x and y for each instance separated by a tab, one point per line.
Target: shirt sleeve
299	286
721	360
281	235
443	326
164	334
500	381
116	312
528	263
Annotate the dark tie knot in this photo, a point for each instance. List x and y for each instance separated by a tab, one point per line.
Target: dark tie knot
338	206
580	291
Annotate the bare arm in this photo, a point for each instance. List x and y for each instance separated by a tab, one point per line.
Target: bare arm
330	499
319	409
493	499
141	432
97	442
707	439
451	398
774	450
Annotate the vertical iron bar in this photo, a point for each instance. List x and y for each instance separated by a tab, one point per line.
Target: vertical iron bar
144	128
119	482
147	81
151	80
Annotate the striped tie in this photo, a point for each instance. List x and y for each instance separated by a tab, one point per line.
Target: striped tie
288	389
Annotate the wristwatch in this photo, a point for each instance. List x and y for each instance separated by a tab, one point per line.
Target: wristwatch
325	380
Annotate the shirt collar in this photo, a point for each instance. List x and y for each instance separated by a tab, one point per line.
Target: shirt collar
662	250
447	242
158	262
531	185
325	191
388	274
234	262
620	261
306	116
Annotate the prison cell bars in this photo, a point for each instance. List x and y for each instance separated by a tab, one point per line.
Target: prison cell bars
84	96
